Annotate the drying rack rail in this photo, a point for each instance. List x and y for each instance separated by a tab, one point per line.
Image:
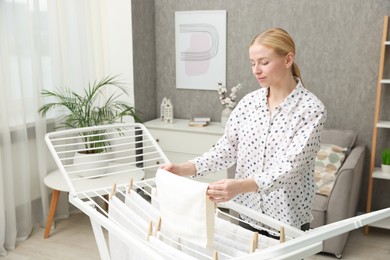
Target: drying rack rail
146	207
297	244
119	198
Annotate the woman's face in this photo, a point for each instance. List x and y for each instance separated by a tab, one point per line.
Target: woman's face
269	68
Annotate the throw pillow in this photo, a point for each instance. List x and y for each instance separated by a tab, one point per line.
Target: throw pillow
328	161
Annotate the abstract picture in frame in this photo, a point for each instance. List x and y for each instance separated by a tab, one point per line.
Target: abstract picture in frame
200	49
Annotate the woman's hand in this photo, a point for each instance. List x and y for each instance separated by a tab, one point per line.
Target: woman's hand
181	169
225	190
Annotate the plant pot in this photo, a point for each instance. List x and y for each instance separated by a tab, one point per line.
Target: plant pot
386	168
87	165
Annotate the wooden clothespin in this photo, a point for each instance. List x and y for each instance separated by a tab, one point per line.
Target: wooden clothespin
158	226
282	235
113	191
215	255
130	186
150	230
254	242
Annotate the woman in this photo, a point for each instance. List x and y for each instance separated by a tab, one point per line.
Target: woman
273	136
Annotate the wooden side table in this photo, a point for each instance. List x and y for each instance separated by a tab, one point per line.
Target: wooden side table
55	181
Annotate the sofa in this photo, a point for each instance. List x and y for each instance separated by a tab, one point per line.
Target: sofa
341	201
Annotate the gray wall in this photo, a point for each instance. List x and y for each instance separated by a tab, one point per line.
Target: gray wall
338	46
144	58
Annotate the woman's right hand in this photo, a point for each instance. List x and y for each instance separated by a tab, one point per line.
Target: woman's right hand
182	169
168	167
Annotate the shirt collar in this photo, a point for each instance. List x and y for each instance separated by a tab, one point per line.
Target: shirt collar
291	100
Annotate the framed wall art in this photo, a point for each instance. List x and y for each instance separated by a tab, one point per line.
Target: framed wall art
200	49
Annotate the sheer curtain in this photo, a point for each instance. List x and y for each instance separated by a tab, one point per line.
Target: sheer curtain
43	44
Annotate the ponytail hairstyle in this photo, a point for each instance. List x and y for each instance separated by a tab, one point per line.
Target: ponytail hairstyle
279	40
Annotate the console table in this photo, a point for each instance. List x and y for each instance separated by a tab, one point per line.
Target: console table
181	142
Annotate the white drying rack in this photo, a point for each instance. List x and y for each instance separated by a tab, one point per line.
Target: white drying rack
132	157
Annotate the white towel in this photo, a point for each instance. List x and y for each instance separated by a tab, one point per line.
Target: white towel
118	249
140	206
185	208
167	251
241	235
154	199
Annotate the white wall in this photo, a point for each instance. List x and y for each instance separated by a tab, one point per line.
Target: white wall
120	43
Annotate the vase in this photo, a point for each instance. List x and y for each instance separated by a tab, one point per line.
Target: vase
225	115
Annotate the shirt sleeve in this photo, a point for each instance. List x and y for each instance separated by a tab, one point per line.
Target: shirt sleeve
299	159
223	154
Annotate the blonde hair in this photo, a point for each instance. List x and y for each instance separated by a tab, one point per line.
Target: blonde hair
279	40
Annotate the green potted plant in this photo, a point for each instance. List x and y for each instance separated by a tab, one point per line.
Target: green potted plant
92	108
386	160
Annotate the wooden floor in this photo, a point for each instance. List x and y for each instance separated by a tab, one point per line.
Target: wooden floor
73	239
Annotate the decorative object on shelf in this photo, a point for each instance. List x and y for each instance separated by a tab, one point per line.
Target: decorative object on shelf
90	109
199	120
225	115
386	160
166	111
228	101
199	124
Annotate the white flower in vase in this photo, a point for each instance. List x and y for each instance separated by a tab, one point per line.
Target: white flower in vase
227	101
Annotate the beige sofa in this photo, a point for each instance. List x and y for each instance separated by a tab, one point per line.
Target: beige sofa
343	199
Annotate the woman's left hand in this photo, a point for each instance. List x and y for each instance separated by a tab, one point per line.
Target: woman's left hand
223	190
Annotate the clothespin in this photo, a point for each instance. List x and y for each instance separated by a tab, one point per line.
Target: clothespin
254	242
158	226
113	191
215	255
282	235
150	230
130	186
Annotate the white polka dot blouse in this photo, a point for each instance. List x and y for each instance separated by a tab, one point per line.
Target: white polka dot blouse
278	151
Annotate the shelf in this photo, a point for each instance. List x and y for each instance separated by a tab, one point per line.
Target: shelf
385	81
385	223
383	124
378	174
379	124
182	125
